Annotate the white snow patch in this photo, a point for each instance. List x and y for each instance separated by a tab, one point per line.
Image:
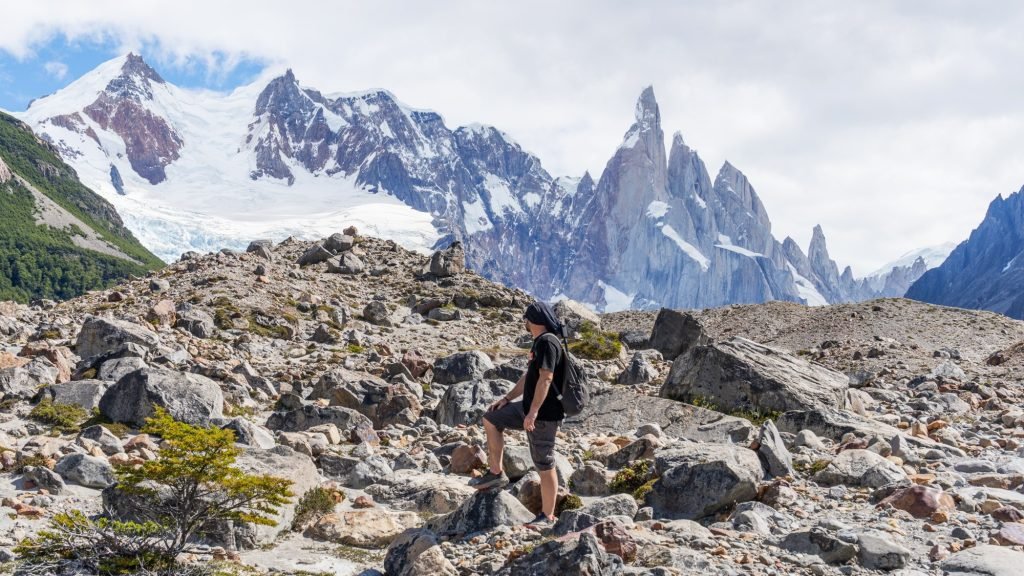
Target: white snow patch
725	243
805	288
700	201
615	300
687	248
532	199
501	196
1010	263
657	209
476	217
630	140
933	256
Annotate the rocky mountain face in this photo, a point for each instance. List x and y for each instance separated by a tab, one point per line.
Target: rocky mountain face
760	439
987	270
58	239
654	229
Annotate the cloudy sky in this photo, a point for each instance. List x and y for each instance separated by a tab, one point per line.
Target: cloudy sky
892	124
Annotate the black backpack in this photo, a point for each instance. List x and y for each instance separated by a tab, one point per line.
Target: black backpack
574	390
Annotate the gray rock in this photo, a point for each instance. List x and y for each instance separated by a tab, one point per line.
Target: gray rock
109	443
190	398
743	375
675	333
697	480
860	468
347	263
462	367
250	434
339	243
771	448
638	371
159	285
614	410
975	466
819	542
356	472
516	461
384	404
809	439
115	369
482	512
574	314
102	336
617	505
314	255
877	552
582	555
376	312
310	415
589	480
44	478
416	552
25	381
85	470
984	560
195	321
84	393
448	262
465	402
445	314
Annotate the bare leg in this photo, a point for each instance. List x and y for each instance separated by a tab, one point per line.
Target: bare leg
548	491
495	446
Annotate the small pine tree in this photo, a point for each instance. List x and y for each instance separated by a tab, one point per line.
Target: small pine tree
193	483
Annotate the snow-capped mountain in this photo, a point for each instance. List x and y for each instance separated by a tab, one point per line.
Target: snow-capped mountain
986	271
198	170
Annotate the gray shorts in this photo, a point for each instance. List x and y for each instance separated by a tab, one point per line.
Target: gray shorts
541	440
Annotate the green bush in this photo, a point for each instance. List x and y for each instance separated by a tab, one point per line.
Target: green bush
314	503
632	477
595	344
64	418
570	502
191	485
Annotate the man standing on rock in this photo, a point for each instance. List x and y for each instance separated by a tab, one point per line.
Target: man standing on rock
539	412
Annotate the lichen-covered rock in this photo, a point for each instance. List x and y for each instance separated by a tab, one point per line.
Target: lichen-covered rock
190	398
697	480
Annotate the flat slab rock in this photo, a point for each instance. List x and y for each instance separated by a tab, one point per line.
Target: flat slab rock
985	560
740	374
616	410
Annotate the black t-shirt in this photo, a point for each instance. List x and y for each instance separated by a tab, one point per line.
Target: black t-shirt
547	354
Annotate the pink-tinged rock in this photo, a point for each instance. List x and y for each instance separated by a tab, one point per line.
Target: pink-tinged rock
467	458
920	501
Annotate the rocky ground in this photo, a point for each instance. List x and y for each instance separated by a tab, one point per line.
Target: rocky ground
758	440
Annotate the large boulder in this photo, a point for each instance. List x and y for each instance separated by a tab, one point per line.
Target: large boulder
676	332
24	382
772	450
310	415
355	472
250	434
84	393
190	398
416	552
464	403
461	367
577	555
483	512
85	470
371	528
697	480
743	375
615	410
100	337
423	492
984	560
314	255
384	404
195	321
448	262
860	468
574	314
116	368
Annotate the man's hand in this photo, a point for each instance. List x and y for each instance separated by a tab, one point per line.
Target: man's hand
497	404
530	422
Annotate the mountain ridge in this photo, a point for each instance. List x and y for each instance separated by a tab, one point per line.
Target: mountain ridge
276	158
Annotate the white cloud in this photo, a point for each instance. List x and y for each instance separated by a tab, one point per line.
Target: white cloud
56	69
892	124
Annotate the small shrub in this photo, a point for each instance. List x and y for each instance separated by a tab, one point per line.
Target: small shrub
640	494
570	502
595	344
355	349
37	460
704	402
631	478
64	418
314	503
